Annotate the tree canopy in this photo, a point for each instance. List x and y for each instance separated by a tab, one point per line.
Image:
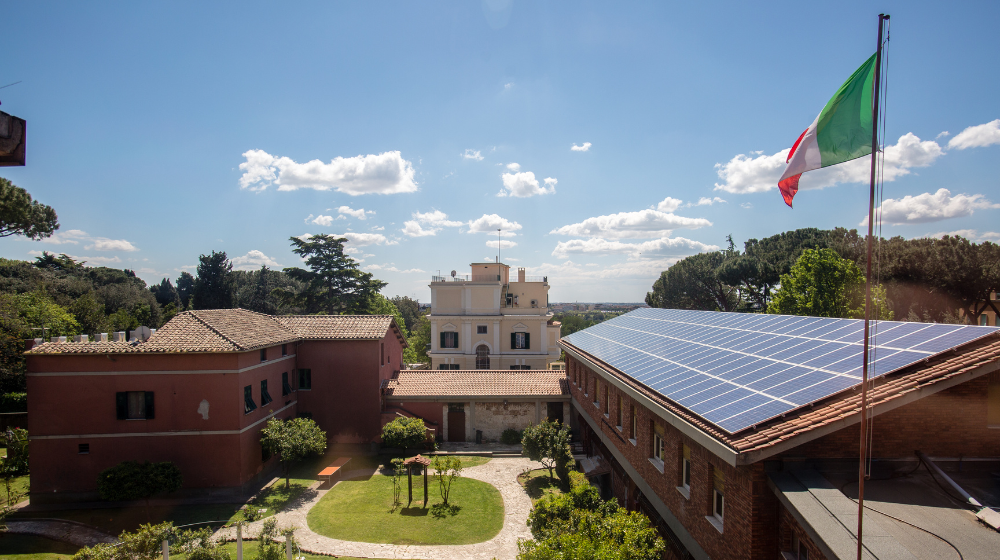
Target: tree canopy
292	440
821	284
333	284
213	286
20	215
548	443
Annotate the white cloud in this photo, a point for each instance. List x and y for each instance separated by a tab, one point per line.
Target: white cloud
434	220
943	134
75	236
970	234
929	207
644	224
705	201
746	205
977	136
524	184
745	174
669	204
253	260
413	228
504	243
489	223
378	228
508	86
570	273
393	269
322	220
358	239
654	248
585	147
385	173
360	213
472	154
515	167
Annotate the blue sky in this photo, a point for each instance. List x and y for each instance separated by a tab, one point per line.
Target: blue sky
161	131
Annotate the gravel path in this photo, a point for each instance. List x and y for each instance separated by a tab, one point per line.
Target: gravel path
501	472
67	531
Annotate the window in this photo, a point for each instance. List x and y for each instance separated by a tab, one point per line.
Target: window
248	404
984	320
800	552
607	400
480	329
658	447
286	388
632	423
686	467
520	341
618	413
84	449
454	366
449	340
381	354
265	397
718	494
597	393
482	357
134	405
305	379
304	415
263	354
284	349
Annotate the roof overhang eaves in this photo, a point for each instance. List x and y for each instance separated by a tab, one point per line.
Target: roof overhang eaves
476	398
717	447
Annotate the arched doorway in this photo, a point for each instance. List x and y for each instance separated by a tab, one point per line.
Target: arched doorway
482	357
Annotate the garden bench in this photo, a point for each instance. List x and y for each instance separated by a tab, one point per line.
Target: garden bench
327	475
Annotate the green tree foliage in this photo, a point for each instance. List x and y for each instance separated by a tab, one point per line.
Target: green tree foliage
447	468
419	342
398	472
409	309
213	286
165	293
131	480
821	284
142	544
292	440
268	547
553	510
20	215
548	443
15	464
693	283
254	290
333	284
185	287
404	433
38	311
198	544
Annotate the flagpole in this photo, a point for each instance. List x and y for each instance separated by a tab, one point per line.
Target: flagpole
868	289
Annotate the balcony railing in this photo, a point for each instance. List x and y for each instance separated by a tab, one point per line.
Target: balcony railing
467	278
532	279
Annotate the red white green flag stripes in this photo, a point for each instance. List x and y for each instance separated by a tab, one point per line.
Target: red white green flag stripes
841	132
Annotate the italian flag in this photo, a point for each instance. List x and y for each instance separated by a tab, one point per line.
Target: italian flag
841	132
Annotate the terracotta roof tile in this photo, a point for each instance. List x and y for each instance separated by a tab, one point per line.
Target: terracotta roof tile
234	330
485	383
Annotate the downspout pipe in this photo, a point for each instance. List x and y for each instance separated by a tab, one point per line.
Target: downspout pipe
961	491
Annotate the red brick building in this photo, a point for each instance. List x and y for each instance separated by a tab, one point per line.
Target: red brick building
782	488
198	392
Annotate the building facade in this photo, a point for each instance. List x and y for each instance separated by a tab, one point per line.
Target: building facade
487	320
776	489
198	392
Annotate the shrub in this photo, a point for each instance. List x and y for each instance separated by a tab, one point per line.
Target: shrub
13	402
131	480
510	436
548	443
143	544
404	433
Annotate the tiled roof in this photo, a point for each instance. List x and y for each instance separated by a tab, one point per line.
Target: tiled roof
337	327
478	382
234	330
835	410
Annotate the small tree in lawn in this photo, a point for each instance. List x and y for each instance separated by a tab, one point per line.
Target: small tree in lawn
132	480
15	464
398	470
547	443
292	440
448	469
404	433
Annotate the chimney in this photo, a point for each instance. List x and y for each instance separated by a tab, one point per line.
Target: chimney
58	339
118	336
152	332
101	337
520	274
81	338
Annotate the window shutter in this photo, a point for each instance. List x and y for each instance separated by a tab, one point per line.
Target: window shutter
456	341
513	341
442	340
121	403
527	341
149	406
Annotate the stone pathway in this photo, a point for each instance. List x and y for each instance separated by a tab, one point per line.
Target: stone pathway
76	534
501	472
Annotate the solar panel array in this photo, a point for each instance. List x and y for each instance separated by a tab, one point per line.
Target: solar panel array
738	369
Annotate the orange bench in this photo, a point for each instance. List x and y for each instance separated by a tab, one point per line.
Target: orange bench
327	474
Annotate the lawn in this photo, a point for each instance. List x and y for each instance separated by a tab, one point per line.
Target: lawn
30	547
274	498
19	485
537	484
360	510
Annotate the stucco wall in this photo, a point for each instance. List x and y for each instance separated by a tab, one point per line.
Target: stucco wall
495	417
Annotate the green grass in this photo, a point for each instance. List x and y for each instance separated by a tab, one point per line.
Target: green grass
361	510
18	486
30	547
537	484
275	497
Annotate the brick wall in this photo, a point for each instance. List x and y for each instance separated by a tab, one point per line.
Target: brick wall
790	533
750	516
950	423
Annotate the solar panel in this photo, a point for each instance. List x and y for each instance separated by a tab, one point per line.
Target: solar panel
737	370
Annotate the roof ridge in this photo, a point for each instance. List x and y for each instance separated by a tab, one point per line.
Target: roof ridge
215	330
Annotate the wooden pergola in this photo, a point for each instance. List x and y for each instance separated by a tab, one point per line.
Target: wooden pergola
418	460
